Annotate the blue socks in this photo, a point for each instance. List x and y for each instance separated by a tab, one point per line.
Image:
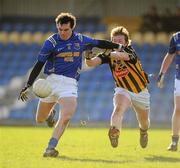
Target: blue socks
52	143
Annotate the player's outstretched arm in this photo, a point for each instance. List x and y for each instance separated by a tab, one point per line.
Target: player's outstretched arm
120	55
164	67
105	44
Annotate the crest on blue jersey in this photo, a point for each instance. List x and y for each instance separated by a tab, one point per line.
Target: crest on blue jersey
76	46
69	46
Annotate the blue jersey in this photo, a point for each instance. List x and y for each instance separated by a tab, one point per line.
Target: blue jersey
174	48
65	57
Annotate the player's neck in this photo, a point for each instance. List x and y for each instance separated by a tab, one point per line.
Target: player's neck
66	38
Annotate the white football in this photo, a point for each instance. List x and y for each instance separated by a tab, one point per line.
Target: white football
42	88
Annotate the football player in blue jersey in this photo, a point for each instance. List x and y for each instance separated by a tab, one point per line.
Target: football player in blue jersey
62	56
174	50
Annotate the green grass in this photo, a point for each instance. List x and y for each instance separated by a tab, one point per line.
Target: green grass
22	147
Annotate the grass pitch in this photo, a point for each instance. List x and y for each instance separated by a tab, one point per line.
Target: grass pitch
22	147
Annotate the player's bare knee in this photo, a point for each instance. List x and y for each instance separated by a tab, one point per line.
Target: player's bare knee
118	109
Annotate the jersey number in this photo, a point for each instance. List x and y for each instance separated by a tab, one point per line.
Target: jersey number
68	59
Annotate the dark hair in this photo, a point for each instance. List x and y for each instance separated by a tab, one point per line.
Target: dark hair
64	18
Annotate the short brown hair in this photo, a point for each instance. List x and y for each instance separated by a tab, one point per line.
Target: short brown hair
120	30
64	18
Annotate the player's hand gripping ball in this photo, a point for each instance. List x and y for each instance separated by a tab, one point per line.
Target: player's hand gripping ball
42	88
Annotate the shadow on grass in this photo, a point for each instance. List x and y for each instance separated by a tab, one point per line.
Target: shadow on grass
94	160
154	158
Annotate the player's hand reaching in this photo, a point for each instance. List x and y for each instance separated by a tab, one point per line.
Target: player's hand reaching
160	80
89	54
24	94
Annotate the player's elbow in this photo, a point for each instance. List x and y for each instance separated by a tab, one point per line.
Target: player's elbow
90	63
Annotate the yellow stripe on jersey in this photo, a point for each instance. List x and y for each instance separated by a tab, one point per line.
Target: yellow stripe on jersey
131	82
128	76
137	74
118	81
68	54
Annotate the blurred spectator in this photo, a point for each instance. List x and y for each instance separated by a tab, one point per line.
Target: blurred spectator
167	12
177	12
177	19
151	20
168	21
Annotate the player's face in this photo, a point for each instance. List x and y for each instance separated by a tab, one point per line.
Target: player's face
119	39
65	31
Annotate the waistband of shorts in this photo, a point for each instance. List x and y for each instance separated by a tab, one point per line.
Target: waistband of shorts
62	77
120	88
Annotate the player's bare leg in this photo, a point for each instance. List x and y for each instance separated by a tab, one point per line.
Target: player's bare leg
44	111
143	120
68	107
175	125
121	103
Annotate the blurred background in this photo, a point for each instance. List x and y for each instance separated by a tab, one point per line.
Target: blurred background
25	24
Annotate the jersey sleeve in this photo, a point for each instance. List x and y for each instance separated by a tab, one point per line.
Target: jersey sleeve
89	42
172	46
45	51
104	44
132	54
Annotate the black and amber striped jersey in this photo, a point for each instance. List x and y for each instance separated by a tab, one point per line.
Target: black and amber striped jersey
127	74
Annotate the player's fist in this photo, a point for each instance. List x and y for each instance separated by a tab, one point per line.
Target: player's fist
160	80
24	94
120	47
89	54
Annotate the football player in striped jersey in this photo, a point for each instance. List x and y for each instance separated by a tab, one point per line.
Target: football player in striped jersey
131	85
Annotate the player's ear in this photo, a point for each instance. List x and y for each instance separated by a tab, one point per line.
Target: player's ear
72	28
57	25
